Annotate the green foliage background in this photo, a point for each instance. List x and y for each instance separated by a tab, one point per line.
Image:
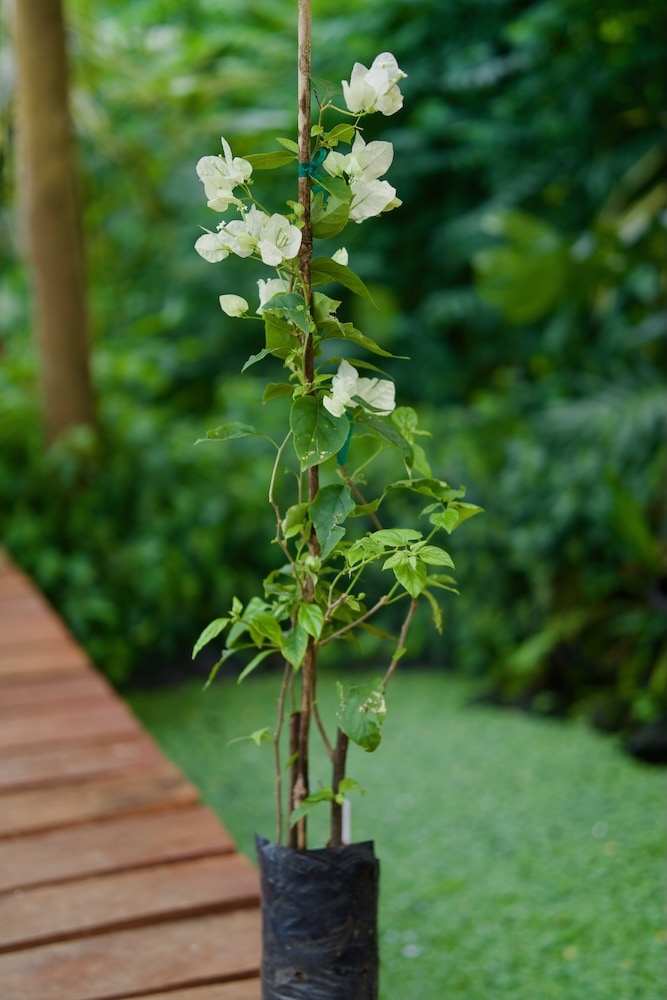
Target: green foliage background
523	275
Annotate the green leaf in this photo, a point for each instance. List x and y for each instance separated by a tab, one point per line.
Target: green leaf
396	536
258	737
254	358
389	432
317	434
289	144
323	306
334	330
295	520
412	575
212	630
216	666
339	133
292	305
270	161
435	556
350	785
255	662
294	647
264	628
312	800
328	511
364	548
466	510
435	488
324	270
363	509
328	218
361	712
436	610
236	429
275	389
311	619
279	335
447	519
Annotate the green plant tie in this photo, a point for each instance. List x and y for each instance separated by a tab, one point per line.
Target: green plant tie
342	454
311	168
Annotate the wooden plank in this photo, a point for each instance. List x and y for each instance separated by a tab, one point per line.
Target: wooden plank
41	626
246	989
102	718
111	902
13	581
48	693
41	658
116	844
182	953
39	766
32	810
23	603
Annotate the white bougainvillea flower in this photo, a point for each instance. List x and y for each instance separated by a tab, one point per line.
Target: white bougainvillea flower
374	89
341	256
234	305
220	175
243	235
347	387
213	247
268	289
362	167
370	198
279	240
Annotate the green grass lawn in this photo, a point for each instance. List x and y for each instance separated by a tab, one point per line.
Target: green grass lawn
521	859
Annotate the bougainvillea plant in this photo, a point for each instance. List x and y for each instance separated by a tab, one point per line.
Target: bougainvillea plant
329	530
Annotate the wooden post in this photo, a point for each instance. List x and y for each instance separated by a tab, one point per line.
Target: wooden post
51	215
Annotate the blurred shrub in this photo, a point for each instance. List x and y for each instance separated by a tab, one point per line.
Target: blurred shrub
132	535
527	157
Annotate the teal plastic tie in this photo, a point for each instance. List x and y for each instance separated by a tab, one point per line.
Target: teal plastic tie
342	454
311	168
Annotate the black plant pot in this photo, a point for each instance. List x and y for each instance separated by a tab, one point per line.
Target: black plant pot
319	922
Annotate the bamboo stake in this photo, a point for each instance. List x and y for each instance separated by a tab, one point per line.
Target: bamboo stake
300	787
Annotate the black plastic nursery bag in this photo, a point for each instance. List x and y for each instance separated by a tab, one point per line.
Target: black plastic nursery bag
319	922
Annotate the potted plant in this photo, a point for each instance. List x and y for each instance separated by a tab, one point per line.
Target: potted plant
320	904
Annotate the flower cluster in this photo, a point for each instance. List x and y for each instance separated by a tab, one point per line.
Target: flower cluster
362	166
375	89
348	389
272	237
220	175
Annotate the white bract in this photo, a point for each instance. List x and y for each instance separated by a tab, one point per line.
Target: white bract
279	240
268	289
347	388
220	175
362	167
340	256
233	305
272	237
374	89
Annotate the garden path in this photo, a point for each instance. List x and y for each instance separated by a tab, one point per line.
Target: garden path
115	880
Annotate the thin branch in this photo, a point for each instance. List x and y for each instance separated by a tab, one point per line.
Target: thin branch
276	751
323	733
346	628
339	758
400	645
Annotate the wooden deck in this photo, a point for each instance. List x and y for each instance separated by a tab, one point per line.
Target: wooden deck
115	880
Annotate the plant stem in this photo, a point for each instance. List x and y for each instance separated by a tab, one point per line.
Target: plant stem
299	789
340	754
276	751
294	730
400	645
